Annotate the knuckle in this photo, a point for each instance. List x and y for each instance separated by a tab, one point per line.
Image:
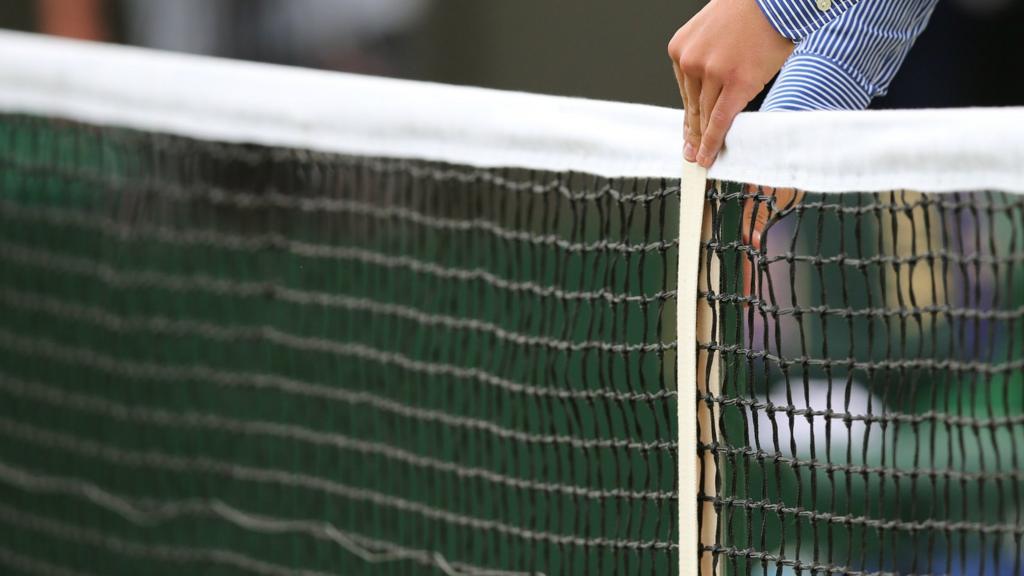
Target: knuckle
713	139
691	65
719	116
678	42
675	46
715	71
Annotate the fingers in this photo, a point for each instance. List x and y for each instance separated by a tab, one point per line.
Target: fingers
723	57
689	151
700	98
756	211
786	198
760	207
679	81
727	105
750	231
710	90
691	89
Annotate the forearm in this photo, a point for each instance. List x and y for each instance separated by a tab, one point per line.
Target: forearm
846	64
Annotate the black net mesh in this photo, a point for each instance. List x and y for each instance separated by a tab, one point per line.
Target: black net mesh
866	389
223	359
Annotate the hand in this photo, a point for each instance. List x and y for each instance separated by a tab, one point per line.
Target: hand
723	57
763	204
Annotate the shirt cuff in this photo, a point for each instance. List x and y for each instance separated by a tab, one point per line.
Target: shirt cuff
812	82
797	19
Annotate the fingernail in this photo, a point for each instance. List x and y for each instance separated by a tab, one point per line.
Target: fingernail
689	152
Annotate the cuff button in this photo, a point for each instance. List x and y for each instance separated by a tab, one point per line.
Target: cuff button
824	5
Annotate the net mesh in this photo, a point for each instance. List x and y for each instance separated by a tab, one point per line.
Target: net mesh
864	389
226	358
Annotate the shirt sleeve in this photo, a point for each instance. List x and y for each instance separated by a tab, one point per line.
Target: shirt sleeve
851	61
798	19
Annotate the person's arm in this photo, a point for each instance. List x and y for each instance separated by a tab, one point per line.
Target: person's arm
723	57
841	66
845	65
798	19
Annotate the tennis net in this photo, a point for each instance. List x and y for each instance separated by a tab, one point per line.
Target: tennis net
262	320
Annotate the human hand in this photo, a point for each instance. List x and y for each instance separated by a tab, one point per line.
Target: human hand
723	57
759	208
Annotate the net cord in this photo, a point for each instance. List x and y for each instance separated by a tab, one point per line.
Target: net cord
215	99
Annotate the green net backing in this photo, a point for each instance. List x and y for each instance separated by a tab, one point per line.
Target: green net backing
223	359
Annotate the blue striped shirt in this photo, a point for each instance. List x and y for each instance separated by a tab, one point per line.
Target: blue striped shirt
847	53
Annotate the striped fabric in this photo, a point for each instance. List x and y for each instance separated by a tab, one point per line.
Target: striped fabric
797	19
850	57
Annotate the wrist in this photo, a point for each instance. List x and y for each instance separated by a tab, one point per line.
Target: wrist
813	82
